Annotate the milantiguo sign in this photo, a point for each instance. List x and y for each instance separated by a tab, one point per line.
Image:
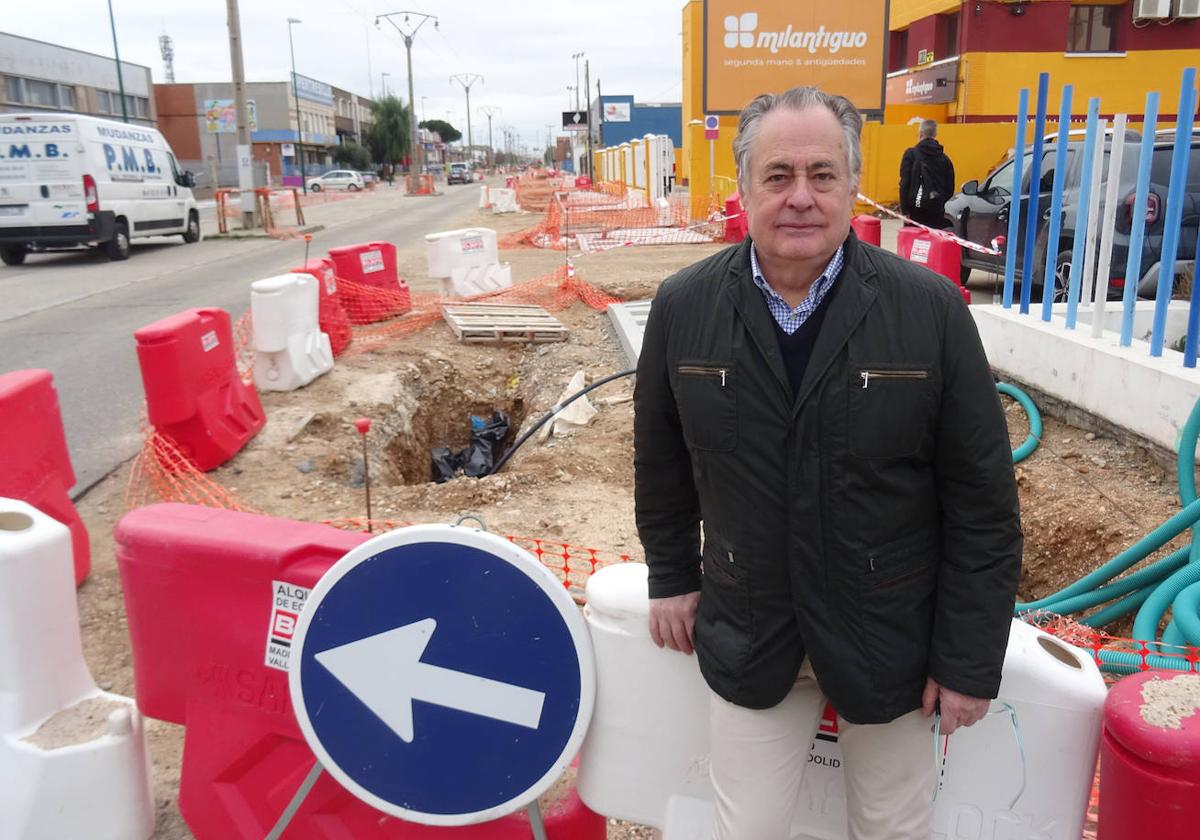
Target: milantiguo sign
931	86
768	46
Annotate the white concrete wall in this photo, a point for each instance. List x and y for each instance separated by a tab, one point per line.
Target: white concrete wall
1151	397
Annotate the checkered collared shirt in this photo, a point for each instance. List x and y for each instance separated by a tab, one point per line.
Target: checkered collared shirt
789	319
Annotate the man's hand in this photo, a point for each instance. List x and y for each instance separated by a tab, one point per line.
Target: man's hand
957	709
672	620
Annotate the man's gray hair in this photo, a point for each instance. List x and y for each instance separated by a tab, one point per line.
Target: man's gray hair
928	128
798	99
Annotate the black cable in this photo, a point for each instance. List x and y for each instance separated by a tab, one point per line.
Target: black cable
553	411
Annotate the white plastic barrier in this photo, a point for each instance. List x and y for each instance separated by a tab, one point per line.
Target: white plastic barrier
466	248
466	281
504	200
72	757
290	350
645	758
485	198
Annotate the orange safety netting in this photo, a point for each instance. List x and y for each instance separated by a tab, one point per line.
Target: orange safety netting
571	564
1147	655
552	291
162	473
610	216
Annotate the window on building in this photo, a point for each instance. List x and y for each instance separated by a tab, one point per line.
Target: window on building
898	50
1090	29
38	93
949	42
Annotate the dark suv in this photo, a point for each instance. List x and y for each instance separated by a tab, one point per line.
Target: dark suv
980	213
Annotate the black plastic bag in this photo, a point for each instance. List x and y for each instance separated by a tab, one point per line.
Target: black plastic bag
479	457
445	464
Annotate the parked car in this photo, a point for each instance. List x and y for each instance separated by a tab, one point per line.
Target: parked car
337	179
71	180
459	173
980	213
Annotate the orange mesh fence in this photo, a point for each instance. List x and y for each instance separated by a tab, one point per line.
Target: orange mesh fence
1141	656
606	217
381	316
553	291
162	473
571	564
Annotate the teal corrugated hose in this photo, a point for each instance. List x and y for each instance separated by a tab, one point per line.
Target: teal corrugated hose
1035	421
1172	582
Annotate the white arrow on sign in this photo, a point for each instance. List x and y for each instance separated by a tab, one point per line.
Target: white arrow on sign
386	673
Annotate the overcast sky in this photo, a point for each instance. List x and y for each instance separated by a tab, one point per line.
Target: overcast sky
522	48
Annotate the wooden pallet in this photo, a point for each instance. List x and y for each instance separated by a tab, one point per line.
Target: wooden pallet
476	323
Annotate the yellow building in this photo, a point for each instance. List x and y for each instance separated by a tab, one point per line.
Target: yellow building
963	64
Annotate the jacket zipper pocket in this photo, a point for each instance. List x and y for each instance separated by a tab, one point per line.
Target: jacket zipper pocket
896	581
867	375
692	370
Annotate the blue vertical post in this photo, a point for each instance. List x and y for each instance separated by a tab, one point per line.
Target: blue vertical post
1056	199
1137	228
1035	191
1014	209
1190	341
1084	208
1170	246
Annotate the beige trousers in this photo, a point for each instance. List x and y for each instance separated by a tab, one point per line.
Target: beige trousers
759	756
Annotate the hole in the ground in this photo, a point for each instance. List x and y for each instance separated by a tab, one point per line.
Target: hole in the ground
443	418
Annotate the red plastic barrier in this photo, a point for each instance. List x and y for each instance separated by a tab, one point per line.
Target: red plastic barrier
331	314
371	264
868	229
194	395
1149	774
936	252
583	182
207	594
35	466
735	226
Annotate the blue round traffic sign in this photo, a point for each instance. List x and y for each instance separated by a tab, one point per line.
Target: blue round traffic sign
442	675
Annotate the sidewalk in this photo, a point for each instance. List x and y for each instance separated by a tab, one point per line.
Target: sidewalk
321	210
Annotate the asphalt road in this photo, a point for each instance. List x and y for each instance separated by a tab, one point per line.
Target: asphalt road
74	313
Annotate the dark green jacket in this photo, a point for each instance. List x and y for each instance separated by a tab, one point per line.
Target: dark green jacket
871	522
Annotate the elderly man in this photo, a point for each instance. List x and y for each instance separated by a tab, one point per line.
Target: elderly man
826	410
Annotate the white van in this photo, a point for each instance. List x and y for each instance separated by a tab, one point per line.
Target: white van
69	180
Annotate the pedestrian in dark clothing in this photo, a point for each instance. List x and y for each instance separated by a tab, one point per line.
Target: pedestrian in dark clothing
926	179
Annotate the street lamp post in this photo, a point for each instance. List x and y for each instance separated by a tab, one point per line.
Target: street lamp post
490	111
577	56
120	76
296	96
383	83
467	80
415	150
423	98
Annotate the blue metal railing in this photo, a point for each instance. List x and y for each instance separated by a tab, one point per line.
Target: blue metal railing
1088	222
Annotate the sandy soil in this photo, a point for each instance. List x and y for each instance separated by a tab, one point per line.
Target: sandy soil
1083	498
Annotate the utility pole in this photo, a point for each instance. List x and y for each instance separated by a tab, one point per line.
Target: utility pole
599	114
296	96
116	52
587	87
467	80
490	111
383	83
415	154
245	167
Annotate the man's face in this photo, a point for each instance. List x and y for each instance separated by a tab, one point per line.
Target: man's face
798	192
